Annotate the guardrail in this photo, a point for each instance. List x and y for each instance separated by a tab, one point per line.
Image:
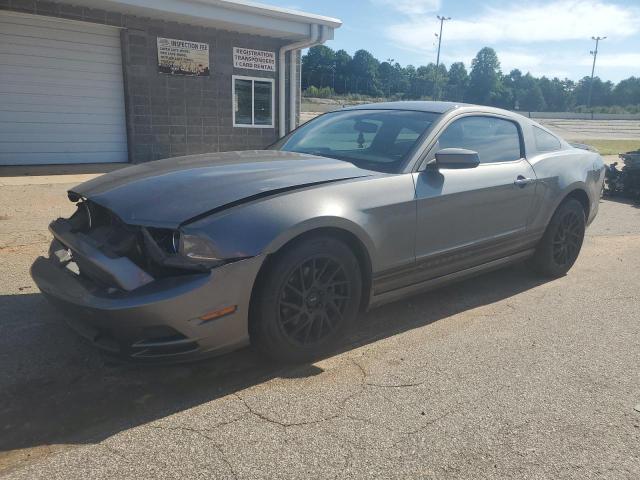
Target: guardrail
329	107
580	116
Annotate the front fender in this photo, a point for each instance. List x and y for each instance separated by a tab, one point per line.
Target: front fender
318	223
264	227
379	211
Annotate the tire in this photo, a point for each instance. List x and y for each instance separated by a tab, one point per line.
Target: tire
307	299
562	240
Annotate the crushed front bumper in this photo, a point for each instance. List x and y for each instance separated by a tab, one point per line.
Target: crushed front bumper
159	320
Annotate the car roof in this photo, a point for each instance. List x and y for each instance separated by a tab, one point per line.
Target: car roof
421	106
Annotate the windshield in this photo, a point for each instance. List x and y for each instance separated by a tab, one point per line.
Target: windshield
373	139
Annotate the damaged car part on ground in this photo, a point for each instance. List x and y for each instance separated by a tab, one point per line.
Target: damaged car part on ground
185	257
626	181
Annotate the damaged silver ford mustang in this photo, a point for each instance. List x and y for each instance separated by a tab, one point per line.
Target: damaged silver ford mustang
282	248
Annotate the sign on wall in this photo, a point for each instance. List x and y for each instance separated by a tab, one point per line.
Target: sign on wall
182	57
250	59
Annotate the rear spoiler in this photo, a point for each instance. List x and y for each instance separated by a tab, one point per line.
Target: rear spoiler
583	146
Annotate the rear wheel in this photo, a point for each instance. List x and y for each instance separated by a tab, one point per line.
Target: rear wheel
307	299
559	248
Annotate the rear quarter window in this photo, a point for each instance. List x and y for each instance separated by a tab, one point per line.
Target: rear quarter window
545	142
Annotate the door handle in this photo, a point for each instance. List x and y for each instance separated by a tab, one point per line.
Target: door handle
523	181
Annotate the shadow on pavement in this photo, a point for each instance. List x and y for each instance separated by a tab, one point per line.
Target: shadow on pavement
61	391
621	199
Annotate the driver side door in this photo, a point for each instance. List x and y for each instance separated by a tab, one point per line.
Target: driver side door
470	216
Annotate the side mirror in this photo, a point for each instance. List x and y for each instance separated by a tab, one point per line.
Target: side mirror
457	158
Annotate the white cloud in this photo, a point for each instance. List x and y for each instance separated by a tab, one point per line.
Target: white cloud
522	61
411	7
559	20
536	65
628	60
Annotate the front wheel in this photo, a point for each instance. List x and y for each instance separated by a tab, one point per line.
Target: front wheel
308	297
559	248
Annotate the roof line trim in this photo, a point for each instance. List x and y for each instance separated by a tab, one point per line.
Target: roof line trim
271	11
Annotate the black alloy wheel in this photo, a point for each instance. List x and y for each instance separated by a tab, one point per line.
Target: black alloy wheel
313	300
307	298
568	239
562	240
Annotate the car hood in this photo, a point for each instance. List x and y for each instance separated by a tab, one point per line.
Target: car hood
167	193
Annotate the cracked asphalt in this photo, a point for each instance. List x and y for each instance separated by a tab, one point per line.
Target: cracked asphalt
503	376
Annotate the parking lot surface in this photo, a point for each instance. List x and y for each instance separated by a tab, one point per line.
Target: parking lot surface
503	376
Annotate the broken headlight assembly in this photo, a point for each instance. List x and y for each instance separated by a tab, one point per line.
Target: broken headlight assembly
172	248
198	249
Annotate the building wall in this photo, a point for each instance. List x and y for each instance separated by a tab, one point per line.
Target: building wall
171	115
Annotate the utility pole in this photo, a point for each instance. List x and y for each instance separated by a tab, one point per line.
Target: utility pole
593	67
390	62
435	83
333	76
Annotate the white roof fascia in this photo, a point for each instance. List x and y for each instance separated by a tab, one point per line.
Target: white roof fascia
235	15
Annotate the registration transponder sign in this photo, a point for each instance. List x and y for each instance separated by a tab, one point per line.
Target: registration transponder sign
250	59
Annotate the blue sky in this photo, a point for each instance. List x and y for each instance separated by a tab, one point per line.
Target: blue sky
551	37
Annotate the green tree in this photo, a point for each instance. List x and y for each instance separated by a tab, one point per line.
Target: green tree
439	83
387	77
520	92
484	79
317	66
337	72
457	83
343	71
528	95
627	92
557	93
424	80
408	77
601	95
364	70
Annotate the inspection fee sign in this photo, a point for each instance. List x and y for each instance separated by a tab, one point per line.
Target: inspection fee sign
183	57
250	59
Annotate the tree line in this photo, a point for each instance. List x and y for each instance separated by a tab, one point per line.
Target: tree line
328	72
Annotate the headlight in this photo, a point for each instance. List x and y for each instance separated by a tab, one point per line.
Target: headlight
197	248
172	248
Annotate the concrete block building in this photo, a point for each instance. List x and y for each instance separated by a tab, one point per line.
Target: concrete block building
95	81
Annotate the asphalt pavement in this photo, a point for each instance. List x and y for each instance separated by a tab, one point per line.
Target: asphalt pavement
503	376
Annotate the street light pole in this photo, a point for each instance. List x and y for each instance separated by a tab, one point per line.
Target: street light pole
435	83
390	62
593	68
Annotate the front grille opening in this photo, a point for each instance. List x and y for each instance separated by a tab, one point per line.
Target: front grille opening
164	350
162	340
117	239
159	334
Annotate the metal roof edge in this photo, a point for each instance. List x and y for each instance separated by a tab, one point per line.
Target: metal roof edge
274	12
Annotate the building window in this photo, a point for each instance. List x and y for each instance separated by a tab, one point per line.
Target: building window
253	101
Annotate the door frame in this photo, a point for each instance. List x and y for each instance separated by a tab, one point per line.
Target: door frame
418	163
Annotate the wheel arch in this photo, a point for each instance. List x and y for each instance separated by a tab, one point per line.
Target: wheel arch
351	239
580	194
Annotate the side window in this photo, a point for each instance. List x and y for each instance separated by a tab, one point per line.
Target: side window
495	139
545	142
